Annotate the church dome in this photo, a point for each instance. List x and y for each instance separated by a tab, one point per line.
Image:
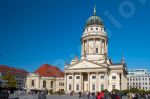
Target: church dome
94	20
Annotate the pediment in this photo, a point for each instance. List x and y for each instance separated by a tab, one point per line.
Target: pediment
33	75
86	65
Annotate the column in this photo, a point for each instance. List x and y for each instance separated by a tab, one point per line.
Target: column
82	50
88	81
81	81
97	82
105	46
72	81
66	82
87	47
106	81
100	46
122	81
94	48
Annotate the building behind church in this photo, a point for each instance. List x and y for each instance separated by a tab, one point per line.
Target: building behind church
46	77
95	71
138	78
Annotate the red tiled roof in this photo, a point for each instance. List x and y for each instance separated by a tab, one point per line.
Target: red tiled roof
47	70
12	70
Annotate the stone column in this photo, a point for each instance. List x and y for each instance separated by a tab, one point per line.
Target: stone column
82	49
106	81
104	46
66	82
100	46
88	81
87	46
73	81
97	82
81	75
122	81
94	48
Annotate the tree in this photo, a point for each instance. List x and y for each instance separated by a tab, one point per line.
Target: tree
10	82
134	90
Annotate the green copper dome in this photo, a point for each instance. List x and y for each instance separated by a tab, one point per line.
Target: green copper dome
94	20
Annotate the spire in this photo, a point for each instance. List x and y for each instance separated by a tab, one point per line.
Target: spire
123	61
94	10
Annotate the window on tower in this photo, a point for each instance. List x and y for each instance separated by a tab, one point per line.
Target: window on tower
96	50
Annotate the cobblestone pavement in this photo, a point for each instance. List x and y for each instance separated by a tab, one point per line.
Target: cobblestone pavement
27	96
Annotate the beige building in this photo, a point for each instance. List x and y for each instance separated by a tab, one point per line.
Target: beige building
94	71
46	77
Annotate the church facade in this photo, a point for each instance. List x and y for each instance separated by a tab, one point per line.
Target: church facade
94	71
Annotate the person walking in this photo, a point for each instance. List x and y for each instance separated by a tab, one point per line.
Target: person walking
102	96
114	95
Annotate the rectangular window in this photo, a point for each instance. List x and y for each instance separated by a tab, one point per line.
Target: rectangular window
51	84
102	76
32	83
77	87
93	77
113	77
93	87
70	87
113	86
77	77
102	86
70	77
96	50
44	84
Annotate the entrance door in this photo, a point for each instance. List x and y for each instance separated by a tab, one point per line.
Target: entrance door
85	86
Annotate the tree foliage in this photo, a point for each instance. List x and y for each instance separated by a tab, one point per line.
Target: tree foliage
10	82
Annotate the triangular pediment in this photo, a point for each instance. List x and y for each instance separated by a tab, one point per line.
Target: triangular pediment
33	75
85	64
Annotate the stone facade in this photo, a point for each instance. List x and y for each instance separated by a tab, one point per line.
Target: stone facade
138	78
46	77
36	82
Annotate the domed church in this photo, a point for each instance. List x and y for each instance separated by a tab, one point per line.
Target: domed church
94	71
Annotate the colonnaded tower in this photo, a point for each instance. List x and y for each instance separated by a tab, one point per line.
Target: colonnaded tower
94	71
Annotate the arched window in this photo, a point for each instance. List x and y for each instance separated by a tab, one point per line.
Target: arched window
44	84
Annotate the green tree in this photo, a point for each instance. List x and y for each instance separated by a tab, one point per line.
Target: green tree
134	90
10	82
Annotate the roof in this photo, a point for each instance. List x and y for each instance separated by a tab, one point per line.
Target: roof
94	19
13	70
47	70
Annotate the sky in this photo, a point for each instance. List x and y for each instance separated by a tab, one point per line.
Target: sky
35	32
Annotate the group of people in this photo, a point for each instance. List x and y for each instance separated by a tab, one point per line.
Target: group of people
99	95
102	95
138	96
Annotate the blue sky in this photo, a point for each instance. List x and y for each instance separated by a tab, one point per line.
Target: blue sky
34	32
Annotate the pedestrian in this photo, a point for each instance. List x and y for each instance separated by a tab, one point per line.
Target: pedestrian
80	95
102	96
114	95
98	96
